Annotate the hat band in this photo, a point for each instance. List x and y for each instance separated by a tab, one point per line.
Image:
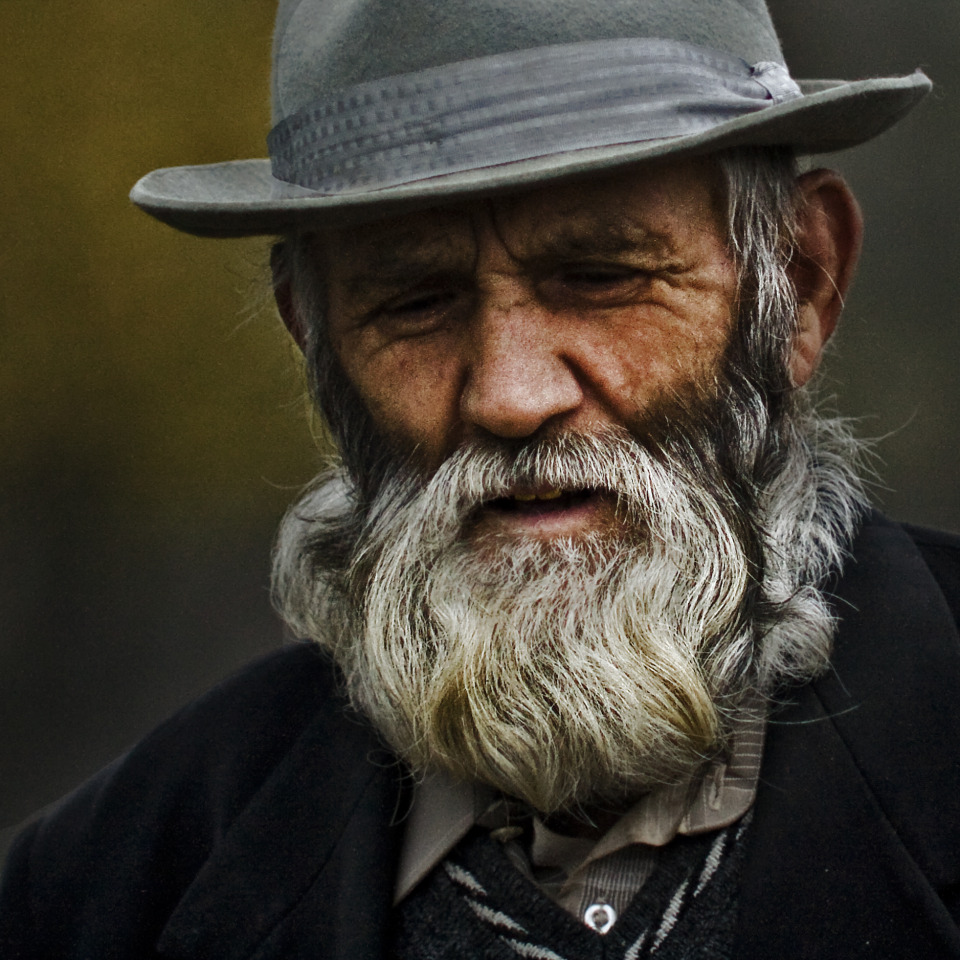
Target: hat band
517	106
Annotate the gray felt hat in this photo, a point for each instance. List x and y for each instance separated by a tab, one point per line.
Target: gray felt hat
382	106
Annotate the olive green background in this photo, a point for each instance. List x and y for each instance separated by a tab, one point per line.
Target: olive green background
153	428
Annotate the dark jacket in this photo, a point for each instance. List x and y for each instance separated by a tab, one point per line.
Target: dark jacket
262	821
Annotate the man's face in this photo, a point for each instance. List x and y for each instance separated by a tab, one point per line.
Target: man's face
577	532
569	309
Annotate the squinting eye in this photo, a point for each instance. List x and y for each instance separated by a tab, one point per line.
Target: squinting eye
422	303
421	312
593	276
595	284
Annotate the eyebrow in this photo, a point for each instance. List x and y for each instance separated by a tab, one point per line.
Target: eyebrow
398	260
378	265
598	236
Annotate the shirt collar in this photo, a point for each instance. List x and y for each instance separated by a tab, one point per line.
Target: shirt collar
444	810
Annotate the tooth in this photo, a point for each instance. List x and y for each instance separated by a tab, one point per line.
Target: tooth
524	497
551	495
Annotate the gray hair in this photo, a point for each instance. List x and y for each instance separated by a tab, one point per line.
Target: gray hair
776	450
616	662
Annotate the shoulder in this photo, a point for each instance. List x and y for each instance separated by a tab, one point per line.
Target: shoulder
151	819
902	566
941	553
224	744
860	787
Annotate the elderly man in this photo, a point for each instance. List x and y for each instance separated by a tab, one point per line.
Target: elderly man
609	657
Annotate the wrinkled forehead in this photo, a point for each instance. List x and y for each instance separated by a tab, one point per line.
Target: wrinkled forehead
660	206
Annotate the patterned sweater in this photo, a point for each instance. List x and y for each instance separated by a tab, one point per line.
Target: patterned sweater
477	905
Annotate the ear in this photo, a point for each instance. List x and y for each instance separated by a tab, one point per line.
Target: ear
283	293
829	233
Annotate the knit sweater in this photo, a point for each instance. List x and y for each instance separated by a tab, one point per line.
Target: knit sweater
476	904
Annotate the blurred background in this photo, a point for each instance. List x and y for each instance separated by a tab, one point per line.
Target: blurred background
153	427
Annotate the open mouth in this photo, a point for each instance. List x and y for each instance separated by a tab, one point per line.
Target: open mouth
546	512
546	500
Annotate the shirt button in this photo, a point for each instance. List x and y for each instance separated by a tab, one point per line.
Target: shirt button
600	917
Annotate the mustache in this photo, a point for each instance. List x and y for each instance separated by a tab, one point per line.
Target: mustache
644	481
493	471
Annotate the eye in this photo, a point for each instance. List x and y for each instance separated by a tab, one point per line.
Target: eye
427	301
592	275
421	311
596	284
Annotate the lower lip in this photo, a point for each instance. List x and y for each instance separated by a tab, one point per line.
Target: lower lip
547	518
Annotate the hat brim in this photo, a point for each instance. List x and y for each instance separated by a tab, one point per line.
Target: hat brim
242	198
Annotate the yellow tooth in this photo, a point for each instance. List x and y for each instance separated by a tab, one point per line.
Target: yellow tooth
551	495
524	497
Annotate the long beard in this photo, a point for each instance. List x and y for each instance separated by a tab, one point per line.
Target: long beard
560	670
575	671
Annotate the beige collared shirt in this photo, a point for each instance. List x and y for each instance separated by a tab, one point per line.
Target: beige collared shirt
592	879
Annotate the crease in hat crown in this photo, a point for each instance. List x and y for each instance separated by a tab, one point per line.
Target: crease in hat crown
386	105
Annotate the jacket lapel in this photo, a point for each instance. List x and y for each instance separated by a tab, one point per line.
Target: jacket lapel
856	833
308	868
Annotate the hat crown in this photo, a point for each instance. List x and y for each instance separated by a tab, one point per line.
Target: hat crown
385	106
324	46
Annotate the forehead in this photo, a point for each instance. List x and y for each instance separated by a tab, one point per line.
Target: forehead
657	206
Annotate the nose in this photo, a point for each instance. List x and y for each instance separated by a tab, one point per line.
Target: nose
517	378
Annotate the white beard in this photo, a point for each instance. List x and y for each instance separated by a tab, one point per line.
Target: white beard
573	671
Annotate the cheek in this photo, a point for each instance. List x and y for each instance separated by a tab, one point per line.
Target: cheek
639	360
411	394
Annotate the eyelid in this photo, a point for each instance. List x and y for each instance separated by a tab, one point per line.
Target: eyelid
417	312
438	292
585	271
601	267
595	284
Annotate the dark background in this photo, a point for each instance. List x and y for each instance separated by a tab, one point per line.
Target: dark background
153	429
